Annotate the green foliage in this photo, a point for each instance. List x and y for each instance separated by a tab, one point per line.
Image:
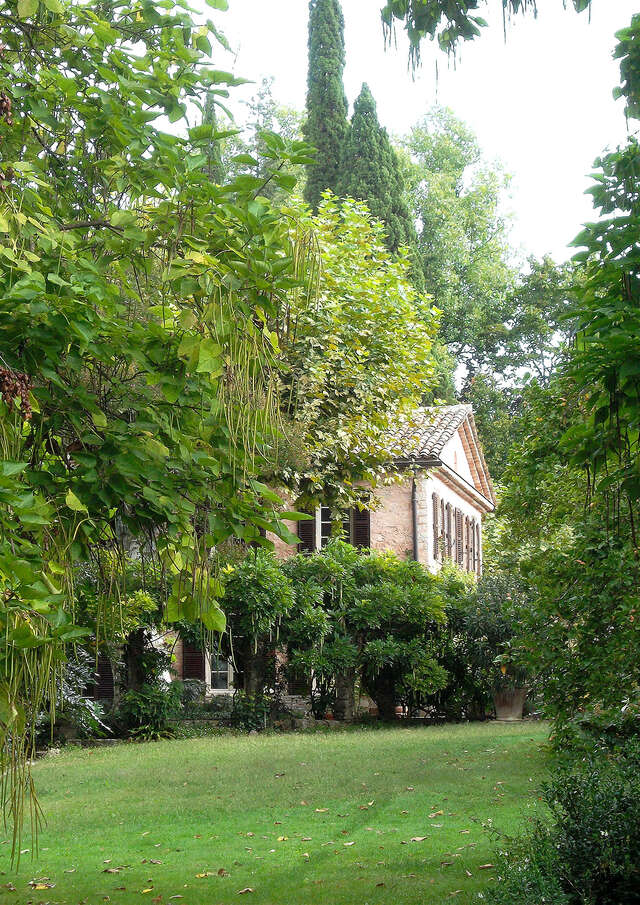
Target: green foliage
145	714
326	126
448	21
462	251
582	636
475	642
137	379
383	614
540	322
351	372
370	173
590	853
257	596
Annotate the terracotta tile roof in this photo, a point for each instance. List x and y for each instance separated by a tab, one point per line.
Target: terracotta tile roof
422	439
429	430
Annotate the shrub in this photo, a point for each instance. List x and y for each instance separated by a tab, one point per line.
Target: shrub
146	713
590	853
529	871
77	714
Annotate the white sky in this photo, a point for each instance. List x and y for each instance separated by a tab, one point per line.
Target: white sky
541	103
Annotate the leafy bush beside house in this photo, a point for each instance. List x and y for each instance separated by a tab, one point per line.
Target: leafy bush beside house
383	614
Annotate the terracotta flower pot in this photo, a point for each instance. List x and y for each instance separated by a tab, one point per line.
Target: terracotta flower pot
509	704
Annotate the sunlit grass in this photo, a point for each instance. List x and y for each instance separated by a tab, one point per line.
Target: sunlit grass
305	818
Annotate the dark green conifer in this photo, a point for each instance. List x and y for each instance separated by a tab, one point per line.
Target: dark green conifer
327	126
370	172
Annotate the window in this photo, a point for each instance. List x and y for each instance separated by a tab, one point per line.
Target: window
315	533
221	674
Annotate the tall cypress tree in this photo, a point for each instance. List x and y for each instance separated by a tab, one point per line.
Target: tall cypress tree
327	126
370	172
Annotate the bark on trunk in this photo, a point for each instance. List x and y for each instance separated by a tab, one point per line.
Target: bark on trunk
383	692
345	707
134	651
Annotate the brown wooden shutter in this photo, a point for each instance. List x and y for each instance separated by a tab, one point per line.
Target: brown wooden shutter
436	525
449	531
103	690
467	544
459	538
307	535
192	661
361	528
478	549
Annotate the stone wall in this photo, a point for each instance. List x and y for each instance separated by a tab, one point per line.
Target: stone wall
391	523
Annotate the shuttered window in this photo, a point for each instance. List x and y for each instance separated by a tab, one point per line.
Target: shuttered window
467	544
360	528
436	525
448	531
307	535
192	662
103	689
459	538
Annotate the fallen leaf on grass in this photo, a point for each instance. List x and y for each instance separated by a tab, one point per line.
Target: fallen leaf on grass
485	866
206	873
410	789
306	839
305	804
446	863
463	832
150	889
282	838
436	814
418	838
348	843
381	884
112	870
468	873
242	892
223	873
321	810
455	892
70	870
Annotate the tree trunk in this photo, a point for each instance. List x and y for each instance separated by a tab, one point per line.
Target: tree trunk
383	692
133	657
345	706
254	671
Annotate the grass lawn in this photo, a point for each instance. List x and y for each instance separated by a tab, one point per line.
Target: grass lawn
386	816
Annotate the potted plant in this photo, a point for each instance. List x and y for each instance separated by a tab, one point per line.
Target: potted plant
510	688
489	628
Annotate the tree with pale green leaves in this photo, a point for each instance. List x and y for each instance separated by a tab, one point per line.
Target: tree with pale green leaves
358	358
137	367
462	248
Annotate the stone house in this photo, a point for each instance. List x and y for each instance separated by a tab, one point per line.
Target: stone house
432	514
435	511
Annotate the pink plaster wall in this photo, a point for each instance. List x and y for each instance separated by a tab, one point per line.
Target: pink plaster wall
391	520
